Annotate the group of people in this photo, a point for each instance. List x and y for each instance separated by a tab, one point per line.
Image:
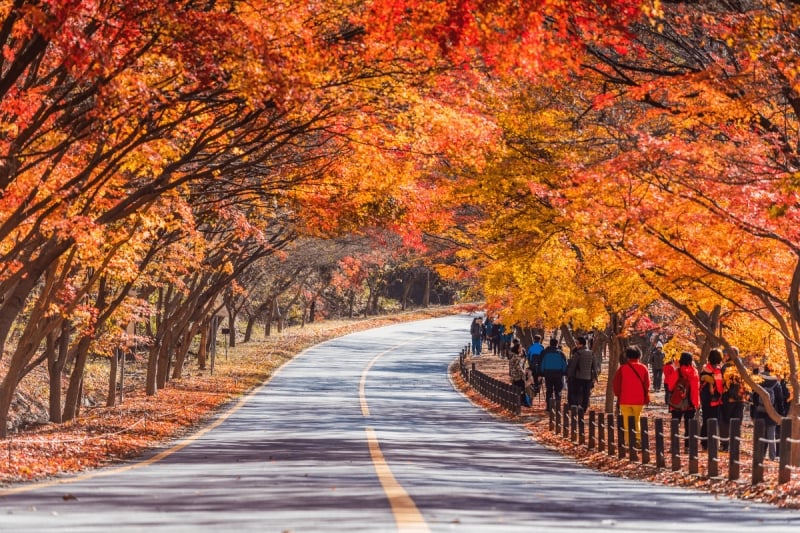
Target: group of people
716	391
497	337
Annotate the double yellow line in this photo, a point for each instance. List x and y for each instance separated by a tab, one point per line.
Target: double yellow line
406	515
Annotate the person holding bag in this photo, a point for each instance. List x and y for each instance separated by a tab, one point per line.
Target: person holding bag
632	389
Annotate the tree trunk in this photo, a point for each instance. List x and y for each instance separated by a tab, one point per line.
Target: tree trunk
111	398
426	294
248	330
203	350
56	359
75	388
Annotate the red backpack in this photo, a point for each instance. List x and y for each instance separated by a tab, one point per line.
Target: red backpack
679	395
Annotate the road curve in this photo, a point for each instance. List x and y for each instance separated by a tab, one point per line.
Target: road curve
365	433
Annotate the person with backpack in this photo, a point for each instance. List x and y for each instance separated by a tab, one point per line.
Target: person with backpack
475	331
581	373
710	393
758	411
669	369
517	368
632	388
684	396
554	369
534	354
735	394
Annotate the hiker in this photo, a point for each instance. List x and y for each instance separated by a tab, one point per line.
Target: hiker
534	354
710	393
581	373
735	394
657	365
684	386
475	330
632	389
758	411
669	369
554	369
517	368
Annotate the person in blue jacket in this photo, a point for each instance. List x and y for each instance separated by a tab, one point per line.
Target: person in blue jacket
554	369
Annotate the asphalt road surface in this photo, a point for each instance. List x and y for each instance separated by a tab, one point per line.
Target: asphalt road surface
366	434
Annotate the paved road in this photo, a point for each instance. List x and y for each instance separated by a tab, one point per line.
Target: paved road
365	433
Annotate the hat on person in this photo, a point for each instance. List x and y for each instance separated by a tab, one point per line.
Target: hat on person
659	344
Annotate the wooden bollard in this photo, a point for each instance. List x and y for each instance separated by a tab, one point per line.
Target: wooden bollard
645	440
565	421
759	428
632	455
694	463
712	434
592	430
581	427
734	448
784	472
573	423
675	443
601	432
661	459
621	451
610	428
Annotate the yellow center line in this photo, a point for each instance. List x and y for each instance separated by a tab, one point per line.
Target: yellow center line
406	515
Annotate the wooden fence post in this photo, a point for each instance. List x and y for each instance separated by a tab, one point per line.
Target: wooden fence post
581	427
573	423
592	429
734	447
694	463
565	421
712	435
632	455
620	438
601	432
610	429
661	461
675	443
785	450
758	450
645	441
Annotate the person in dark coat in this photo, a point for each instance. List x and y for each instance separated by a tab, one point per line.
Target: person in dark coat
581	373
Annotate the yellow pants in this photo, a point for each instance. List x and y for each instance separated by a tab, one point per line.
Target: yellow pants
636	412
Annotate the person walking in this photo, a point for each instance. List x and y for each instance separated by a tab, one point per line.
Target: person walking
517	368
554	369
684	386
670	368
710	393
735	394
476	332
758	411
581	373
657	365
632	389
534	354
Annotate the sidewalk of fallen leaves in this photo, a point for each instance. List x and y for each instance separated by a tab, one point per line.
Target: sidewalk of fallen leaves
535	420
104	436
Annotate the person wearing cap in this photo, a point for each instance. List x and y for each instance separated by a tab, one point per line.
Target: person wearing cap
657	365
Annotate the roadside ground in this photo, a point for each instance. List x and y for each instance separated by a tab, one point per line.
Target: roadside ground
536	421
106	435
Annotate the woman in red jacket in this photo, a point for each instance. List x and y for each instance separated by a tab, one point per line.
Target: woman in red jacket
687	410
631	387
710	392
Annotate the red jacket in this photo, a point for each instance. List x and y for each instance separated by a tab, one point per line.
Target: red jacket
630	388
694	383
